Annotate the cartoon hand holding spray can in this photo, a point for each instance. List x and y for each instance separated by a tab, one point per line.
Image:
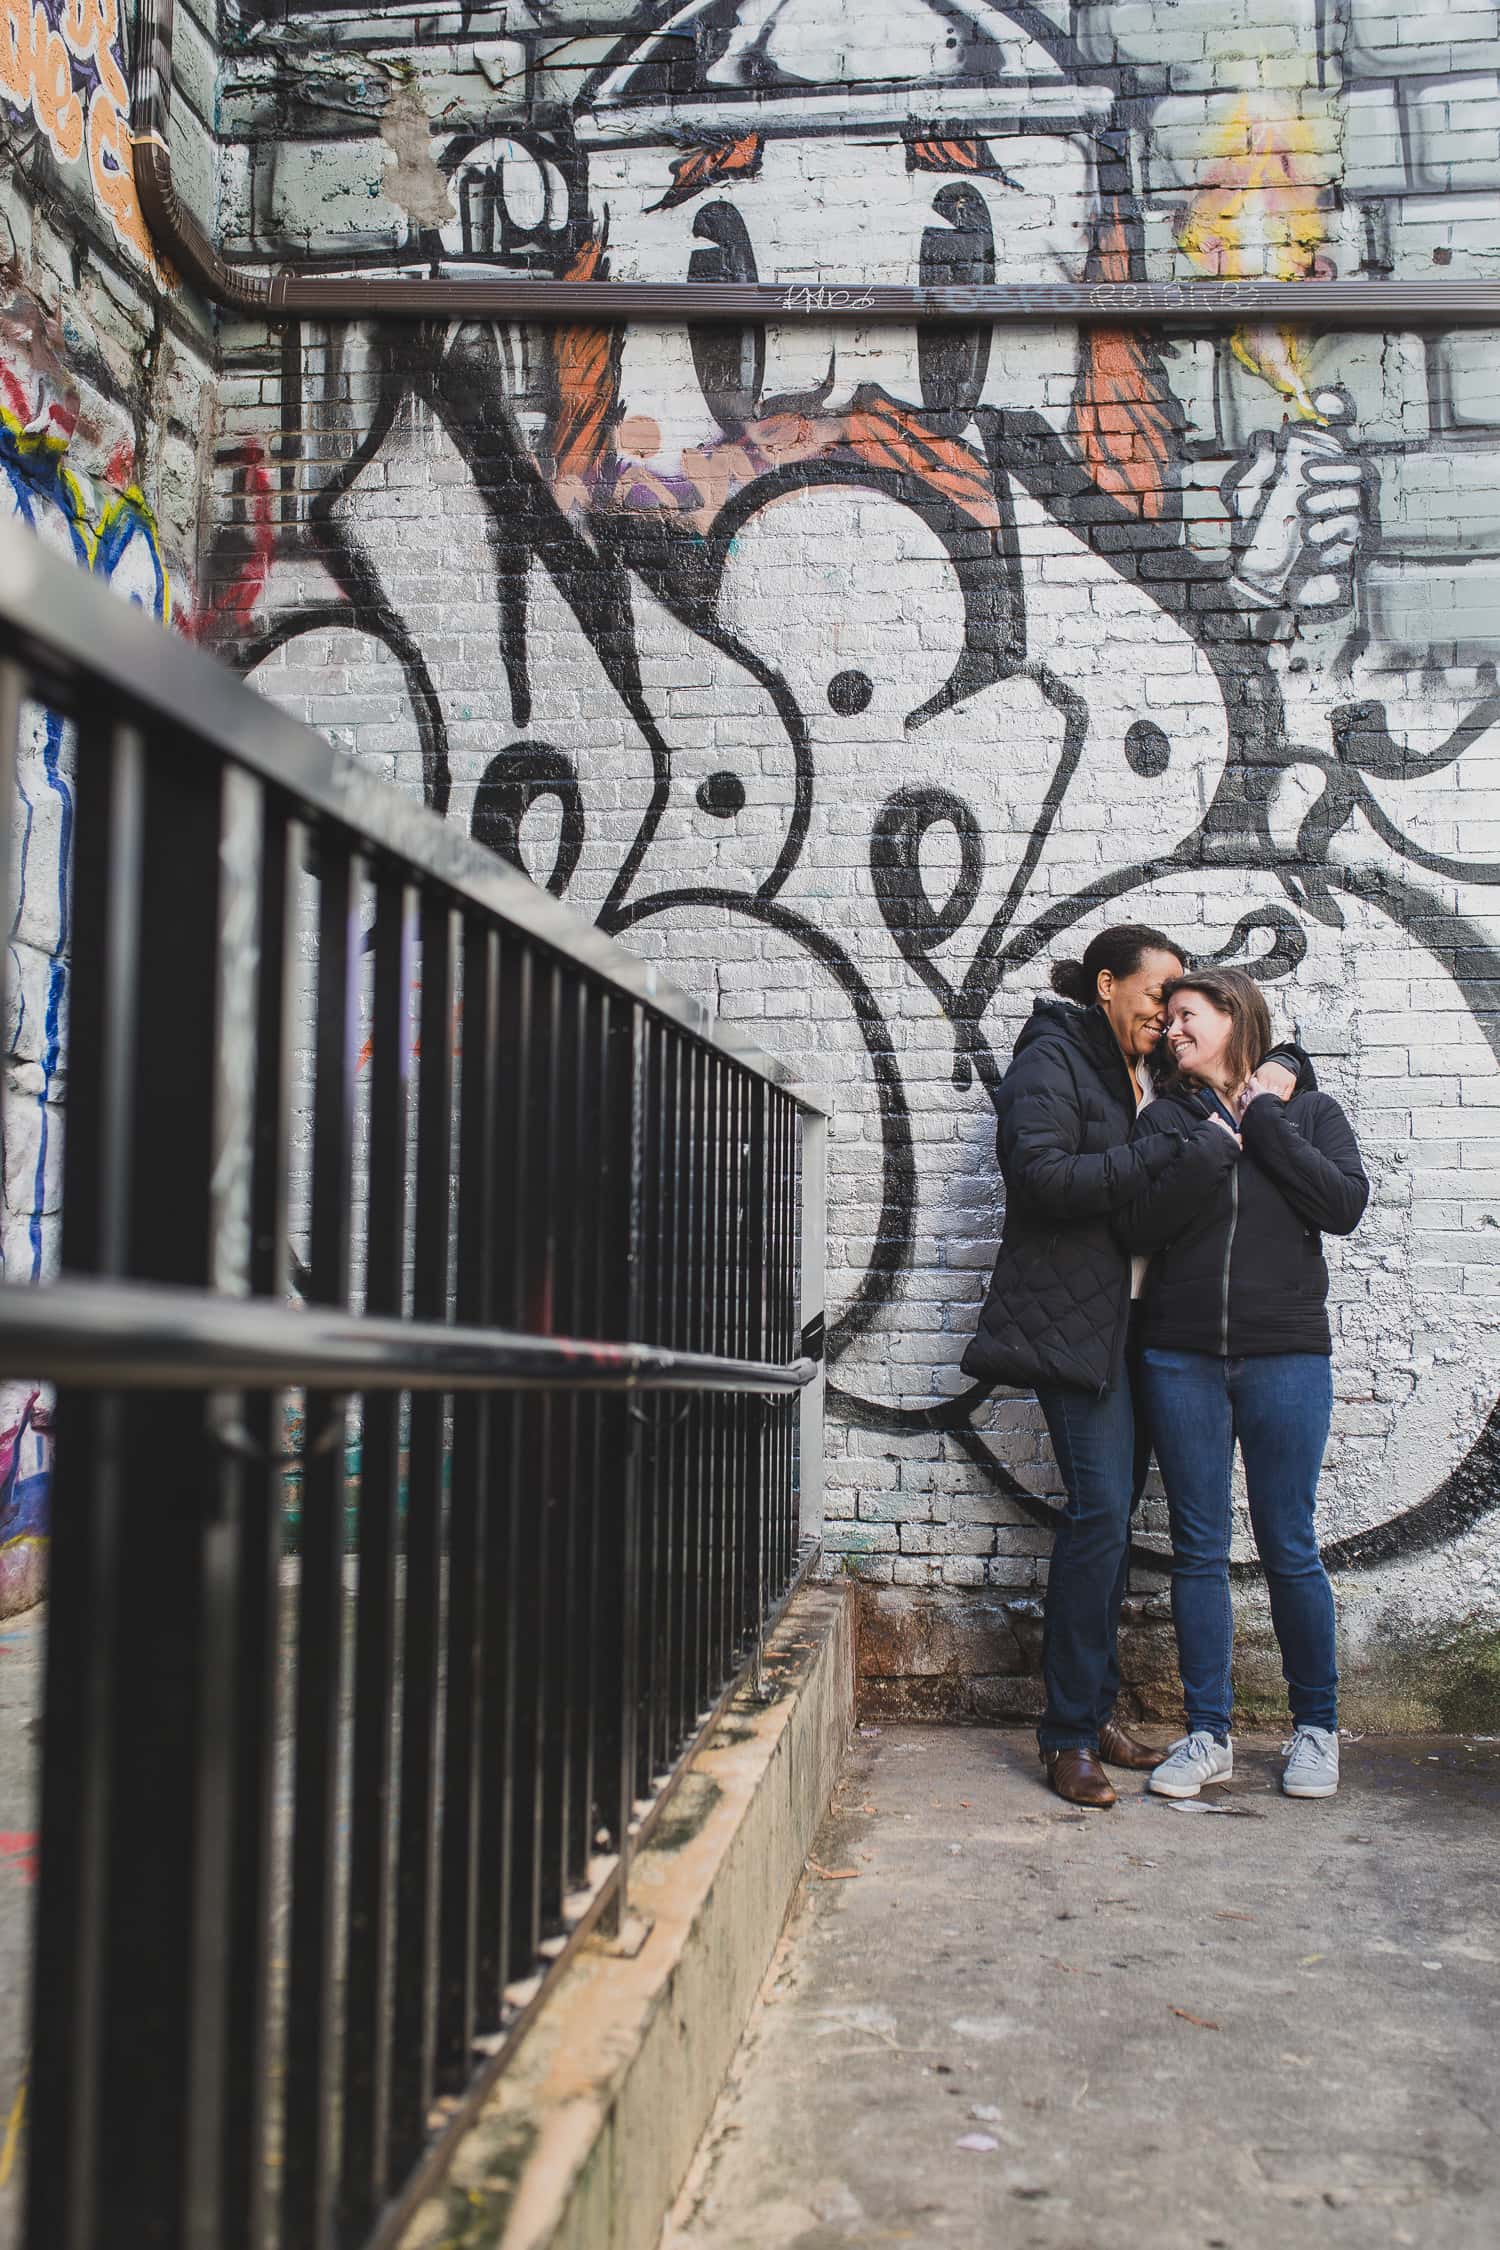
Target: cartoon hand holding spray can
1302	503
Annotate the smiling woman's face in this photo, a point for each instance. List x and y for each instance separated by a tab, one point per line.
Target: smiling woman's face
1198	1035
1133	1004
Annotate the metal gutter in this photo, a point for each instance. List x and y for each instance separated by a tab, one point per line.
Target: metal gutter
1370	305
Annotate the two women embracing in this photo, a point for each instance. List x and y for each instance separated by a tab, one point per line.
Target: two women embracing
1170	1171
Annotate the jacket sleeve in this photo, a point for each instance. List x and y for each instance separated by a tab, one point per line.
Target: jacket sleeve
1320	1174
1200	1157
1039	1139
1295	1059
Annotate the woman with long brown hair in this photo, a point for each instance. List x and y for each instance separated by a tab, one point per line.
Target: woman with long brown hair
1236	1351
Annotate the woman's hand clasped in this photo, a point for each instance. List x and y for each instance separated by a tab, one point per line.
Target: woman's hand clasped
1271	1078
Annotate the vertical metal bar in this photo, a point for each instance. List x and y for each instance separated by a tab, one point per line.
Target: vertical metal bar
675	1155
790	1290
648	1752
363	2181
694	1166
555	1586
654	1466
698	1419
789	1325
530	1479
783	1342
739	1339
255	1631
755	1308
630	1541
612	1619
735	1347
308	2133
583	1316
714	1463
160	2136
605	1447
468	1623
718	1268
411	2027
155	2136
73	1904
813	1280
504	1595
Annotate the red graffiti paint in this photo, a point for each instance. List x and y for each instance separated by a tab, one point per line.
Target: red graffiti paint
18	1849
228	615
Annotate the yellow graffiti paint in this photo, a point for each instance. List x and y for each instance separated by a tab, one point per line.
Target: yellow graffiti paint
1259	216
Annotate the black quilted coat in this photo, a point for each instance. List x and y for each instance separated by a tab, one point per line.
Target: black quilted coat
1059	1302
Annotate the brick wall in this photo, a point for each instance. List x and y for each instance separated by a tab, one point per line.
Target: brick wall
105	428
856	673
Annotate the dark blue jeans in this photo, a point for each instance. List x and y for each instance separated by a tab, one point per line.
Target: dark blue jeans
1096	1443
1278	1409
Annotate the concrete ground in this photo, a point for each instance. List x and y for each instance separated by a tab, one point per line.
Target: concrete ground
997	2021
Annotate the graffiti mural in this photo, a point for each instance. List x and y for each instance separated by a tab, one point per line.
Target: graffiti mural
108	528
62	65
855	672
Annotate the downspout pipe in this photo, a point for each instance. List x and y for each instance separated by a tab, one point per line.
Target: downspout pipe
1368	305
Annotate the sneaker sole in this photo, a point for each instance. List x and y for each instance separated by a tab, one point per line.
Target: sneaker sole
1315	1789
1197	1789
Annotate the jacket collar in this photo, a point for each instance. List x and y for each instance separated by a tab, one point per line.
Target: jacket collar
1088	1028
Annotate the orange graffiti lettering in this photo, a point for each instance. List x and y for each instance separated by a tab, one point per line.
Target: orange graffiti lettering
111	173
58	110
40	69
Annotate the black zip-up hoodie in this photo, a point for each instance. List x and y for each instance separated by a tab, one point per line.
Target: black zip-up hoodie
1237	1264
1059	1300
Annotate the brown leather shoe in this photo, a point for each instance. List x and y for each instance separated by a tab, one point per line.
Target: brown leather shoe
1078	1776
1117	1748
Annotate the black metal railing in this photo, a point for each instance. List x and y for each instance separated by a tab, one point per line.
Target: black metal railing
329	1792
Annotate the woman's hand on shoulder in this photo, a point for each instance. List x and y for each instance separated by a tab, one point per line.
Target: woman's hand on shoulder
1271	1078
1216	1117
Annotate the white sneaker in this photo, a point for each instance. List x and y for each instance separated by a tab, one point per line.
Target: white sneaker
1194	1763
1312	1763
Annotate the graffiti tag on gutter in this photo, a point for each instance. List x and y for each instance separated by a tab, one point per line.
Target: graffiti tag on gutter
810	300
1046	296
61	61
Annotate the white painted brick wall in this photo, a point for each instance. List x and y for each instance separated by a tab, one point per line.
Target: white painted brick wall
1286	118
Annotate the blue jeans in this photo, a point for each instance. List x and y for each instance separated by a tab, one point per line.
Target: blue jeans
1096	1442
1278	1408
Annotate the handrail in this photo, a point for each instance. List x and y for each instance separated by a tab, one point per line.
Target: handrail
1370	305
52	610
116	1334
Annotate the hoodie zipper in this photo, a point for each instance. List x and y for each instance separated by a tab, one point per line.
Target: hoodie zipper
1234	1216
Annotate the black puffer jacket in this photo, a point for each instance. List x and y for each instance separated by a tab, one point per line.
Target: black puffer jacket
1237	1266
1059	1302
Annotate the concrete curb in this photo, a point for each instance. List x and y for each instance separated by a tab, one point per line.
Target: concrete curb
589	2135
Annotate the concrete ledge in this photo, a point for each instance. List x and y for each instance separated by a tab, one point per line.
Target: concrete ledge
939	1654
588	2136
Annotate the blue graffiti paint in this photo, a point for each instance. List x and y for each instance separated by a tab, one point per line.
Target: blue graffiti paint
57	978
117	541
